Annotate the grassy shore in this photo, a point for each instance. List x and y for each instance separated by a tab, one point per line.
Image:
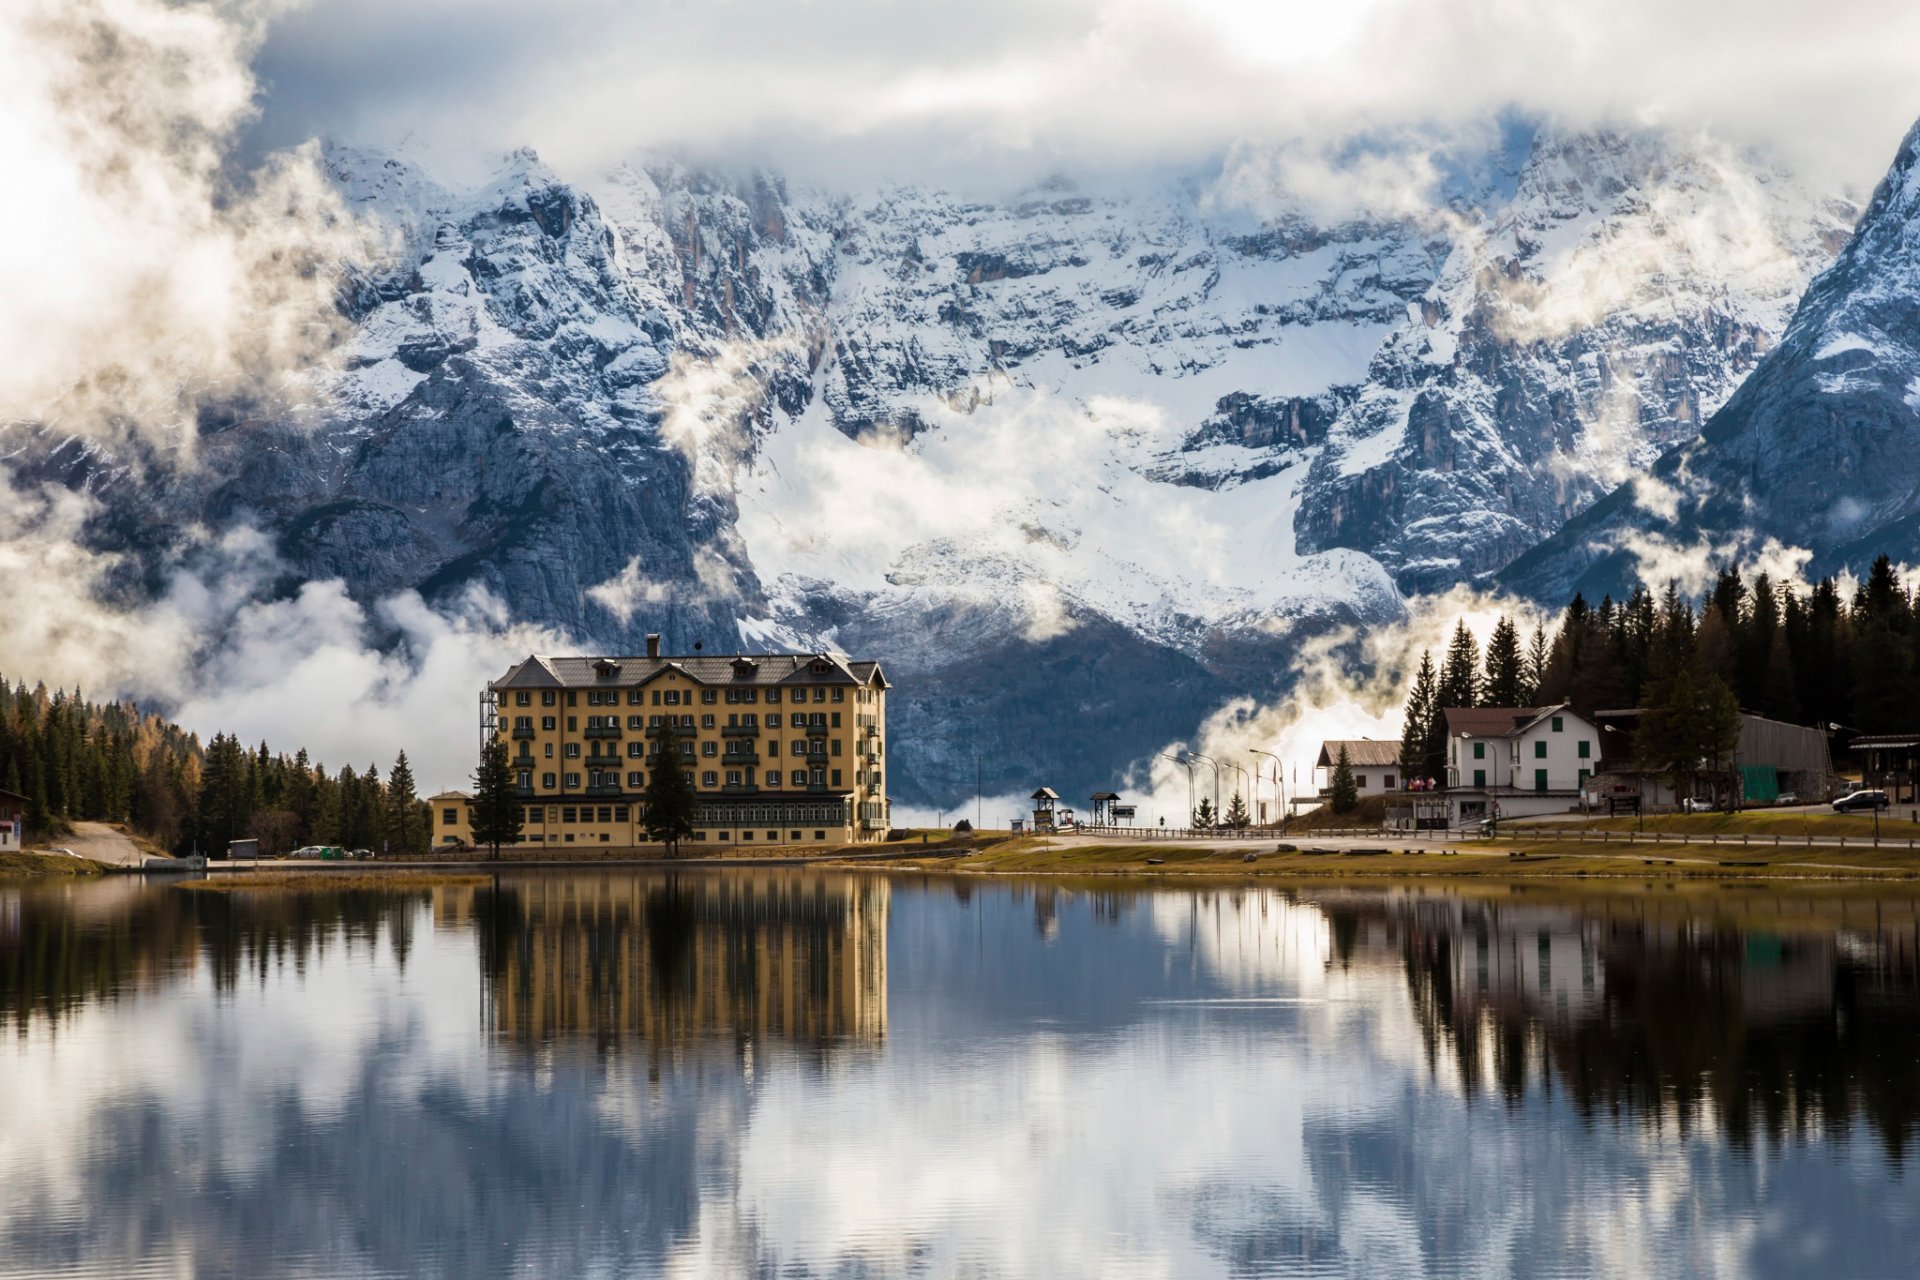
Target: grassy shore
1755	823
14	862
1510	858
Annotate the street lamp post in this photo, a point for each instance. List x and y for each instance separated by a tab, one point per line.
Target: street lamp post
1279	780
1189	767
1215	764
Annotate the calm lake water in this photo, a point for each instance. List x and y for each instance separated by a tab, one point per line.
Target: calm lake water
802	1074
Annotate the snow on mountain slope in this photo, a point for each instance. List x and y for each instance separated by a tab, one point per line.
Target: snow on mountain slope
1572	336
1814	455
1037	453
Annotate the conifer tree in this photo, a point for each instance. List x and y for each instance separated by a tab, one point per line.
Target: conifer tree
496	808
1237	813
406	829
1344	796
1460	674
1203	816
669	804
1506	677
1416	734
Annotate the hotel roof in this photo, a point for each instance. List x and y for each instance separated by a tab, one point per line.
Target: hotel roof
540	671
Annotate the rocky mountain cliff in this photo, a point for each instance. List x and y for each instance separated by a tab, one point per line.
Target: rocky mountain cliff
1080	465
1815	453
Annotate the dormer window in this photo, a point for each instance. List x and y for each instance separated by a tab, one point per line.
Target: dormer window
606	668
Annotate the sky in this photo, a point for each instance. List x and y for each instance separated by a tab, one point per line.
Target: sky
852	90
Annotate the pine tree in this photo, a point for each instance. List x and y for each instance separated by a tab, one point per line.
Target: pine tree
1537	650
496	807
1237	817
1460	674
1417	733
1506	678
406	833
1345	796
1203	816
669	804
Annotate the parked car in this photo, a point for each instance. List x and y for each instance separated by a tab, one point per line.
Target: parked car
1694	804
307	851
361	853
1786	797
1860	800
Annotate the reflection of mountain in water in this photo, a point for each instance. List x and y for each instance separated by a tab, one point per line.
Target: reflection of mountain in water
1791	1022
781	955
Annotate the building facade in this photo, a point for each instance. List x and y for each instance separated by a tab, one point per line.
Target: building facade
782	748
13	820
1510	762
1375	765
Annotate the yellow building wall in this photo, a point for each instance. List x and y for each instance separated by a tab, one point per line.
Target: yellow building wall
570	735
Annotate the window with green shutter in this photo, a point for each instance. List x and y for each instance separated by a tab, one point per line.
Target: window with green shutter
1539	779
1540	750
1586	749
1558	724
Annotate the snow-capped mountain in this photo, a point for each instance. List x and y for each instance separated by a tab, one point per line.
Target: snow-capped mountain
1815	453
1079	465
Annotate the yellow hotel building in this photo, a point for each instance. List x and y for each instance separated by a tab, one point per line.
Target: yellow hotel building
783	748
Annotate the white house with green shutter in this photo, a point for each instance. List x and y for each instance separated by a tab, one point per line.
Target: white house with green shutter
1513	762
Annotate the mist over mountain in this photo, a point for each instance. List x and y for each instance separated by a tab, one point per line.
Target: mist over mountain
1081	466
1811	463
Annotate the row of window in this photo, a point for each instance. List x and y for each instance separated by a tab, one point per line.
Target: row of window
679	697
798	720
1539	779
637	778
816	748
1584	747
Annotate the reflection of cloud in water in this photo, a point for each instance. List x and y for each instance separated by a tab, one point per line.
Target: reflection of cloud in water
1170	1084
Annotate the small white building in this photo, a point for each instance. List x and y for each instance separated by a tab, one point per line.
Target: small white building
13	820
1512	762
1375	765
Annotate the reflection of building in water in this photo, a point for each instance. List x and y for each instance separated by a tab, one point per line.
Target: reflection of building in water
784	955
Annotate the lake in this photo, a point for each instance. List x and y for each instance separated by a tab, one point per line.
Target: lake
800	1073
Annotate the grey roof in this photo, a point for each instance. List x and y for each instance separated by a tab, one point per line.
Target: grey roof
1494	722
1371	752
542	672
1884	742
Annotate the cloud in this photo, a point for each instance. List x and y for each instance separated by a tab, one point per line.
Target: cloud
631	590
1351	683
859	87
218	652
141	273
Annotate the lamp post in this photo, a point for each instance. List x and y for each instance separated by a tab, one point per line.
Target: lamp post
1279	780
1241	769
1189	767
1215	764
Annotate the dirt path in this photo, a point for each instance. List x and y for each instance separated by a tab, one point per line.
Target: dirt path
100	842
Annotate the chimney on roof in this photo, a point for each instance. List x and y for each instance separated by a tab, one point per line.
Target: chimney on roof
653	644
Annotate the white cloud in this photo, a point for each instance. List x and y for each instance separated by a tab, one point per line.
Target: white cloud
1351	683
315	669
139	274
934	89
632	589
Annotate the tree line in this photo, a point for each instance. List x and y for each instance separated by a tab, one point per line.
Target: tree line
1820	655
77	760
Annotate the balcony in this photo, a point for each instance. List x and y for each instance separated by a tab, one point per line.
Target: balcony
739	789
817	731
873	824
739	757
603	731
661	730
740	731
603	789
523	731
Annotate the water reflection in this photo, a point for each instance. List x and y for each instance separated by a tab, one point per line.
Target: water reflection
783	955
799	1074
